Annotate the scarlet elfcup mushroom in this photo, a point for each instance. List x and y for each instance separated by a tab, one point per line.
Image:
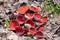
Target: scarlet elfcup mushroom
29	16
44	19
37	16
19	30
39	22
32	31
35	9
30	23
41	28
23	9
31	20
21	19
25	31
39	34
13	24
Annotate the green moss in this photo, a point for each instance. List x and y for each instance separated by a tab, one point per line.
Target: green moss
48	0
6	22
57	7
51	8
55	14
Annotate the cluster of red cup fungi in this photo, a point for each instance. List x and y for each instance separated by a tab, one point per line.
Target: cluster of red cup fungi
27	22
